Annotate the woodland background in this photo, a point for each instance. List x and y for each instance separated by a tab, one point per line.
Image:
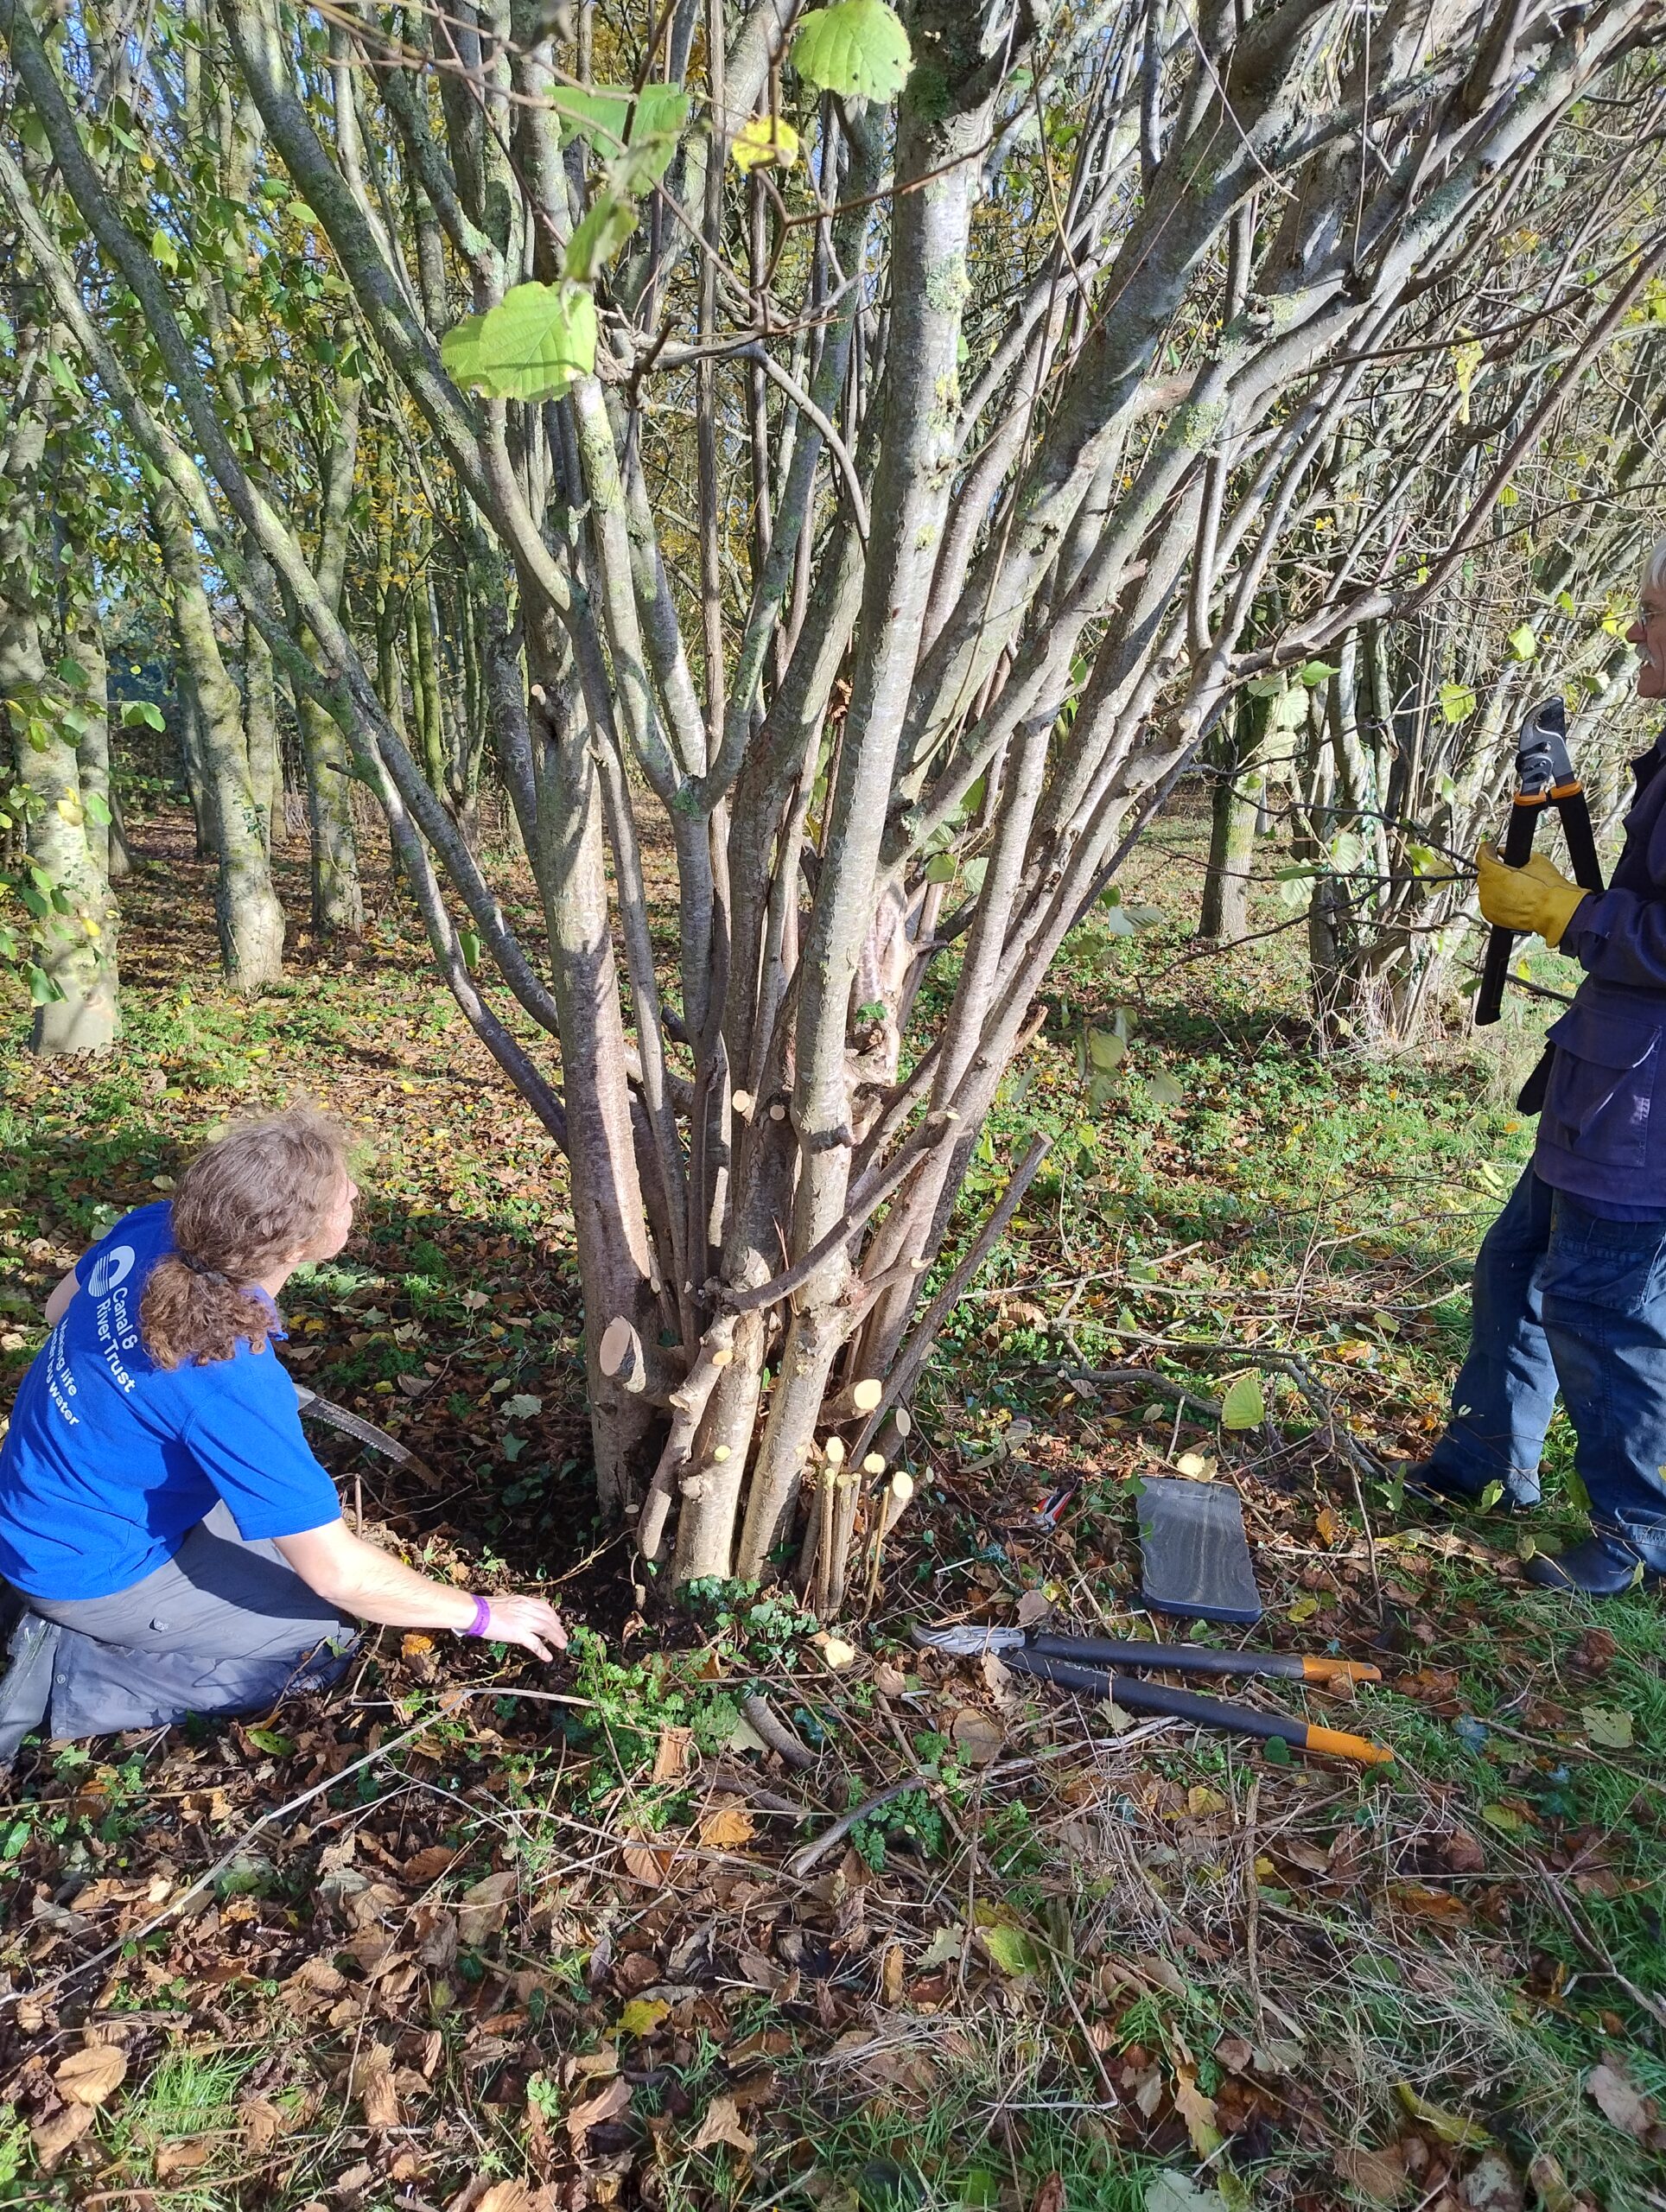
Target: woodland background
834	672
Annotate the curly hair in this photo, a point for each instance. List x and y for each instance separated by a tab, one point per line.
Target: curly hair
247	1205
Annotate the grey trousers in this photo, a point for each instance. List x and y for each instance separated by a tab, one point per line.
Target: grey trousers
219	1598
226	1626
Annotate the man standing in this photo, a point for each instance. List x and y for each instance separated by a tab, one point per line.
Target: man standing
1570	1282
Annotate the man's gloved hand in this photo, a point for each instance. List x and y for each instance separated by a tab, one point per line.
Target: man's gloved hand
1537	898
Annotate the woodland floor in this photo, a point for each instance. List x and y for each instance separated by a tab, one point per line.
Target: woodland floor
568	1939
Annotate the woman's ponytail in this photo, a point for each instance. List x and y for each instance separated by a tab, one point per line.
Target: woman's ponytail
245	1208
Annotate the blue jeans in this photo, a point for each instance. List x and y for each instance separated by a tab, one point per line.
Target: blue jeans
1566	1300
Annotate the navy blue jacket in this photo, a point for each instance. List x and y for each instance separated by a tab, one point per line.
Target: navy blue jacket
1602	1133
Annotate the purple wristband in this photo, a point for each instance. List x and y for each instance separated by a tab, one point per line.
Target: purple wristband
481	1621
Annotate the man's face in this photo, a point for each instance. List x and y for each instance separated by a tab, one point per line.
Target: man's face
1648	635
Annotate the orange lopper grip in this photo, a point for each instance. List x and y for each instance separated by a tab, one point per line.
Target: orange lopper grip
1342	1746
1333	1670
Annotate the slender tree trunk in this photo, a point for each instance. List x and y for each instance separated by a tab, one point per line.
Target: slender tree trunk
247	913
260	720
1236	802
190	743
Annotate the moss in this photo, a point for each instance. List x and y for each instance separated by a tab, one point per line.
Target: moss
948	287
926	95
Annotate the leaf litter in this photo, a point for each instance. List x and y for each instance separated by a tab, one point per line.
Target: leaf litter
533	1957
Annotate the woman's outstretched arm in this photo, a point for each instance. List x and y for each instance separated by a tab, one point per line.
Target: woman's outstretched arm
347	1572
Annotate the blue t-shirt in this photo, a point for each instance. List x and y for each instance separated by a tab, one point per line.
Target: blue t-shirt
112	1460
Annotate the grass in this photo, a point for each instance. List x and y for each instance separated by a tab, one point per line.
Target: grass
1460	1929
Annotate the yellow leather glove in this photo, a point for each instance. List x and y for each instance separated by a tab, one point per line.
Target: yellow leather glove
1537	898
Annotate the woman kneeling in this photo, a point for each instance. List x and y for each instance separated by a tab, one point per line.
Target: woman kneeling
159	1507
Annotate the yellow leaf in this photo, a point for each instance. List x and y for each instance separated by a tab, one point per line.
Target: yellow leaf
70	809
1328	1525
764	141
1198	2112
726	1828
1200	1800
414	1645
1450	2127
642	2016
1303	1610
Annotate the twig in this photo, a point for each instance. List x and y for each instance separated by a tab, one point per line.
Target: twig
760	1716
801	1861
1252	1899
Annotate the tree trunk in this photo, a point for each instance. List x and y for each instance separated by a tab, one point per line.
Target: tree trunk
73	981
1236	799
190	743
247	914
260	720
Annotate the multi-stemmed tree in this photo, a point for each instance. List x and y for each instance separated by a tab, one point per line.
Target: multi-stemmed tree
877	446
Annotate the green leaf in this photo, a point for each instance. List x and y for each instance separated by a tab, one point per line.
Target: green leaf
940	868
1243	1405
1010	1948
270	1741
1119	922
1610	1726
606	228
42	990
136	712
163	251
71	672
974	873
1314	672
1457	701
611	118
1491	1493
1504	1818
1276	1752
537	341
1106	1049
460	350
1523	642
1163	1089
856	49
96	808
642	2016
470	942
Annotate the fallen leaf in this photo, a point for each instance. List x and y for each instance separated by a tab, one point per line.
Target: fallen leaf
425	1866
976	1737
1303	1610
508	2197
726	1828
263	2123
948	1943
670	1758
1451	2127
1009	1947
721	2124
1504	1818
606	2104
891	1973
1328	1524
888	1680
371	2080
1618	2098
52	2138
1380	2175
642	2016
1198	2112
1201	1801
1049	2197
416	1645
184	2156
1609	1725
646	1865
1169	2190
835	1650
1491	2184
1034	1608
483	1907
88	2077
522	1407
1550	2184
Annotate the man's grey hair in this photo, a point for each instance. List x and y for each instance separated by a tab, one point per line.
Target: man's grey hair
1653	569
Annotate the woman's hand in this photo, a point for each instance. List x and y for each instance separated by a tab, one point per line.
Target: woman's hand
526	1621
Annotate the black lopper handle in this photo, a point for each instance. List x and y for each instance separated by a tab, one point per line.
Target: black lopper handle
1495	971
1156	1697
1178	1658
1581	841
